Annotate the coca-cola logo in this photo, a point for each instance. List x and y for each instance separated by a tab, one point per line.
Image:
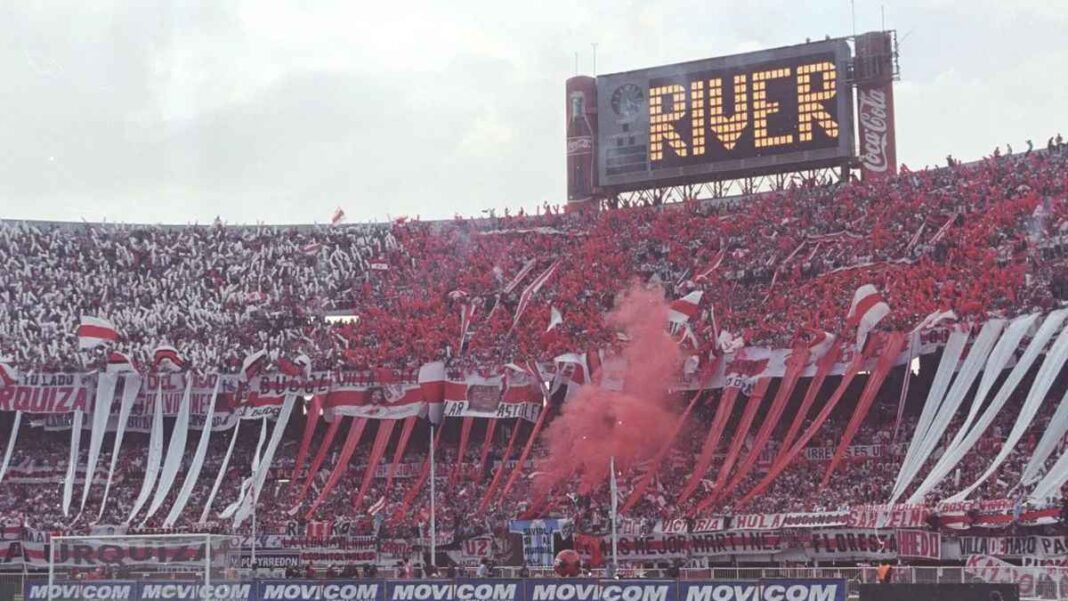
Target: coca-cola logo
873	122
579	145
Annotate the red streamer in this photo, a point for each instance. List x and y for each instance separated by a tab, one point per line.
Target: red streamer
385	431
526	452
356	428
708	451
823	369
500	472
740	432
417	486
317	461
398	453
891	349
305	443
465	437
776	469
487	441
794	366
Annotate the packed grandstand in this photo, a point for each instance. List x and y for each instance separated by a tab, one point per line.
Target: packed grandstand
321	355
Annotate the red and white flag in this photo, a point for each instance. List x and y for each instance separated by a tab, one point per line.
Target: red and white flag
312	249
95	331
119	363
166	358
9	376
712	266
377	506
253	364
866	311
467	315
337	217
819	342
296	367
683	309
527	267
532	289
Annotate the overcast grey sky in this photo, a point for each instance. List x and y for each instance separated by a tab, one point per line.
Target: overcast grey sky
257	110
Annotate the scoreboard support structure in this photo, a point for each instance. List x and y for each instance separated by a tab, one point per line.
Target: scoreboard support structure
733	125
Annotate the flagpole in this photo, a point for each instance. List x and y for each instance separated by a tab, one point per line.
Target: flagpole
433	533
615	514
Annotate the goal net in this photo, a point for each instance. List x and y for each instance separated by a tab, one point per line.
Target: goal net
196	563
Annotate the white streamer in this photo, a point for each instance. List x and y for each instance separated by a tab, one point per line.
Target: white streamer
72	464
155	455
175	452
260	474
10	444
219	477
105	394
131	386
198	462
946	368
1055	358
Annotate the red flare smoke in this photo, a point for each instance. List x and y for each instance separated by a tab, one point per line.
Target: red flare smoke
630	425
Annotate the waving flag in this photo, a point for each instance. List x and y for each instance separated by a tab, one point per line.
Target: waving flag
8	375
467	315
377	506
531	290
866	311
527	267
555	318
119	363
296	367
166	358
311	249
253	364
96	331
337	217
683	309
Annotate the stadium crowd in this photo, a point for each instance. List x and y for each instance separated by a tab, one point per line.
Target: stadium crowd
984	239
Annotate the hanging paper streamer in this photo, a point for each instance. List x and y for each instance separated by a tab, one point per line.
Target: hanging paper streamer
175	452
155	456
220	476
193	474
10	444
72	463
130	387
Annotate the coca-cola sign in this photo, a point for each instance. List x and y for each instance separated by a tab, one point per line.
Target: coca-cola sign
875	133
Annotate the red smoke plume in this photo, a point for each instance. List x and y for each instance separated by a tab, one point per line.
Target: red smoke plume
631	424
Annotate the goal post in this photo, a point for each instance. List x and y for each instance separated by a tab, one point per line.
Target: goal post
198	559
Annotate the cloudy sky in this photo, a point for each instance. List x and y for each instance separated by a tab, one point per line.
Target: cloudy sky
261	110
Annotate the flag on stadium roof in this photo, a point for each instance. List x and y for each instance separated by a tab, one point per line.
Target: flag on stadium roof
683	309
119	363
337	217
9	376
253	364
95	331
166	358
866	311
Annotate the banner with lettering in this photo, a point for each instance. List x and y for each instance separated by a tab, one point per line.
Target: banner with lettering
1015	547
496	397
779	521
